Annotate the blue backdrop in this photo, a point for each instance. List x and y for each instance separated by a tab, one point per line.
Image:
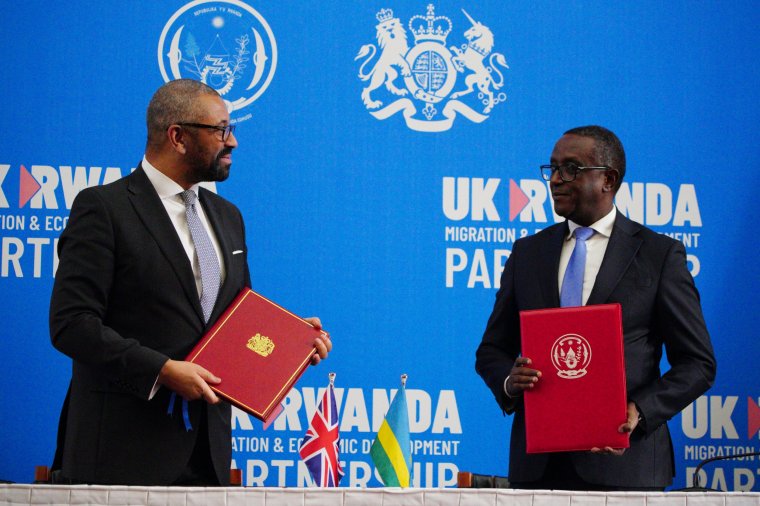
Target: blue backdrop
391	221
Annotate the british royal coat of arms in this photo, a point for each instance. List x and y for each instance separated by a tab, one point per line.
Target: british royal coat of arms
422	81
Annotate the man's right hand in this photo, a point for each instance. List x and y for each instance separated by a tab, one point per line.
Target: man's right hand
189	380
521	377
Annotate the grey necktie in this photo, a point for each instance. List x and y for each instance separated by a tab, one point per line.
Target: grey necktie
209	264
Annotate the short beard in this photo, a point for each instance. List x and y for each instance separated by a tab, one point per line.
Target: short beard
217	172
213	173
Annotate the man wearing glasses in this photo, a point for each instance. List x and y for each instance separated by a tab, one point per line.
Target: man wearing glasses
626	263
147	265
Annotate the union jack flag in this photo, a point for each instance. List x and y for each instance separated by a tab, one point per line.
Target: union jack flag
319	449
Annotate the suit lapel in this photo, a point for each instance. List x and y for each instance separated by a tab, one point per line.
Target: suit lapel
621	250
152	213
548	265
216	219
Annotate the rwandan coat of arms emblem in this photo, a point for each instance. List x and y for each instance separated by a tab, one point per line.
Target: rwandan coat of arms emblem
421	82
225	44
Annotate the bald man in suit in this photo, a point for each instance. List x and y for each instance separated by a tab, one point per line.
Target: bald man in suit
127	305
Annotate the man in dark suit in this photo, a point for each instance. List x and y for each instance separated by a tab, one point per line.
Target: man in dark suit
625	263
144	271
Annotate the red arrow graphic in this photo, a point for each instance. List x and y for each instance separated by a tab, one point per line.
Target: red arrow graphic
517	199
27	187
753	418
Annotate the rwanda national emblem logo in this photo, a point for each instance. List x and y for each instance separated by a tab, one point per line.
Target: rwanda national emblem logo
226	44
428	72
571	355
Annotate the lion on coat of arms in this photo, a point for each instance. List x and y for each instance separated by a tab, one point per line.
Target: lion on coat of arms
391	38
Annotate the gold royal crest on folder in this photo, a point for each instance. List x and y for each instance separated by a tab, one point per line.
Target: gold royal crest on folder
261	345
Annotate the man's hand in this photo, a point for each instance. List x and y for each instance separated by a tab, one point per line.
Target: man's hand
625	428
189	380
521	377
323	344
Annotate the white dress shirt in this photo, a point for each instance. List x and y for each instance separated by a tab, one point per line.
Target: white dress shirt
169	193
596	245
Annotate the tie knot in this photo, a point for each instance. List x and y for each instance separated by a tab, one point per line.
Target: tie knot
189	197
583	233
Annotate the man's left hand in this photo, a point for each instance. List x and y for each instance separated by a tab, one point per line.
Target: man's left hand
323	343
626	428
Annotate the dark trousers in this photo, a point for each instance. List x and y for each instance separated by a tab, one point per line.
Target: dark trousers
199	471
560	474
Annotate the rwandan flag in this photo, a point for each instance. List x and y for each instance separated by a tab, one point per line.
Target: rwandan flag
391	451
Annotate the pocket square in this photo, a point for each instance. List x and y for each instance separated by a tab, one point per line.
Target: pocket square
237	252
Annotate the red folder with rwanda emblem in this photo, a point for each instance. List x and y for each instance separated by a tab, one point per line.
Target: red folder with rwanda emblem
259	350
580	400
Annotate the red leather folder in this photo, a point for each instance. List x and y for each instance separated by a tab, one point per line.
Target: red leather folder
259	350
580	400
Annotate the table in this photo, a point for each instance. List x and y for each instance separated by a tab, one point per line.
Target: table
53	495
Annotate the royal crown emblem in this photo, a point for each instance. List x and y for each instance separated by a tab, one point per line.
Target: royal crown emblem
430	27
571	356
384	15
261	345
425	75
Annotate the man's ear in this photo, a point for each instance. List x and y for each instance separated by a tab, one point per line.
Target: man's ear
611	178
177	138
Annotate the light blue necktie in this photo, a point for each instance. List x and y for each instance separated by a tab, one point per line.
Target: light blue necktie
572	284
209	264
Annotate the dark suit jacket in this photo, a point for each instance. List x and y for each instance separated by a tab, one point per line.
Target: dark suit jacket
125	301
646	273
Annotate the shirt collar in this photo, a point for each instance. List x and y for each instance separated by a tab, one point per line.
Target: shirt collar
601	227
165	186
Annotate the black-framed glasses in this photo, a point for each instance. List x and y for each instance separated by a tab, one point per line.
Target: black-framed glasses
567	172
226	129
